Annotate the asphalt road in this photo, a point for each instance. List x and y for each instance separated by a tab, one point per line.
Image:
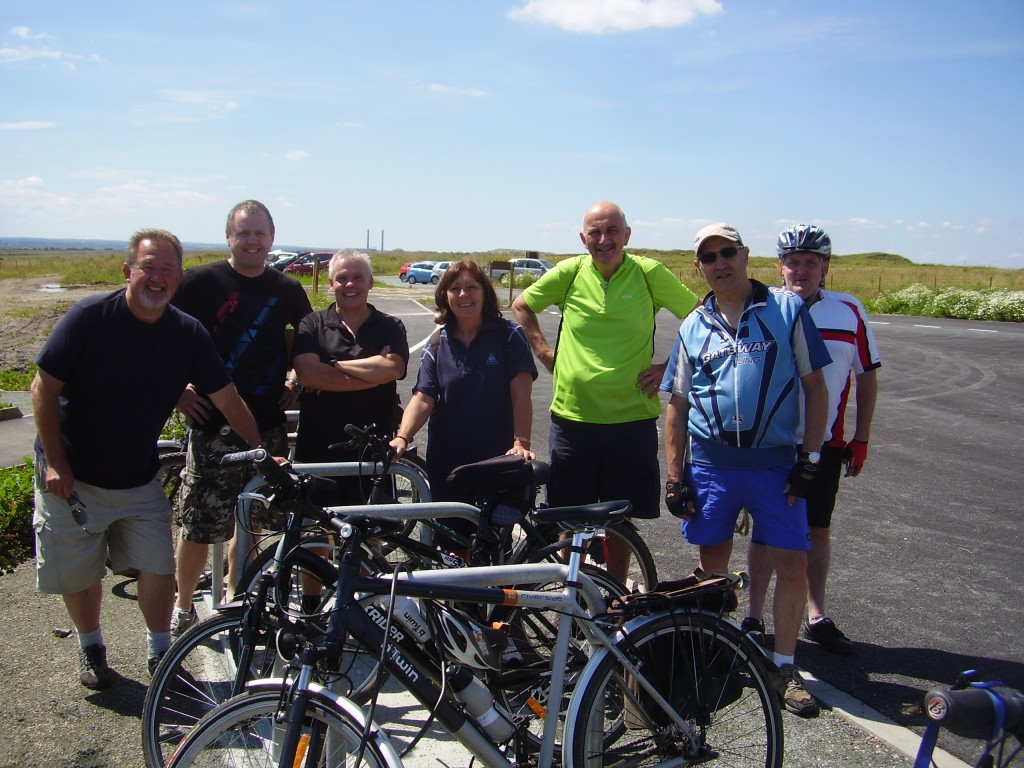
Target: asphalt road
924	577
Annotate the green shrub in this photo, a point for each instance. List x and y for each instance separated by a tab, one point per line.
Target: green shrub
16	535
17	381
958	303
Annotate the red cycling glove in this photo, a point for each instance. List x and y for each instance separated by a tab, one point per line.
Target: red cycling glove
855	453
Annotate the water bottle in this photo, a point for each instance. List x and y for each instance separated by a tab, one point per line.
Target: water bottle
407	613
480	704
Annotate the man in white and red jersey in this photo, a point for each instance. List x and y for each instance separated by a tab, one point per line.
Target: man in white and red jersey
804	252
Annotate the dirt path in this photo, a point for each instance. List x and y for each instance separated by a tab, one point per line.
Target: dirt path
28	313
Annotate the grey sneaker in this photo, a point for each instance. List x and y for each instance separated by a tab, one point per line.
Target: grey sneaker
182	620
93	671
794	697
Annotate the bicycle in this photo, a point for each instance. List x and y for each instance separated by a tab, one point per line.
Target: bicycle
205	665
665	682
217	656
505	489
975	709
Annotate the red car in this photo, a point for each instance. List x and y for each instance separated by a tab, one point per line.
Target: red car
403	269
304	264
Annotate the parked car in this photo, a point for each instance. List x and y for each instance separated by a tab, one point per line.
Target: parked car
536	267
282	260
278	255
419	272
402	270
439	270
303	265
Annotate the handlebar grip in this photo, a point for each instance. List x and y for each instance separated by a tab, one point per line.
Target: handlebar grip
972	711
265	464
243	457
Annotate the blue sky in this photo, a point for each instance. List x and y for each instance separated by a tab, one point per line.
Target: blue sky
470	125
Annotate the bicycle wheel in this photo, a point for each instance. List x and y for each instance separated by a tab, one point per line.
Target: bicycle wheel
199	670
314	571
402	490
525	679
195	675
244	731
641	572
171	464
314	577
710	674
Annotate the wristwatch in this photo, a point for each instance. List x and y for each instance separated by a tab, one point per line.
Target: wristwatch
811	457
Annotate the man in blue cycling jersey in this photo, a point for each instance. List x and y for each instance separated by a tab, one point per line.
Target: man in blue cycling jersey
739	367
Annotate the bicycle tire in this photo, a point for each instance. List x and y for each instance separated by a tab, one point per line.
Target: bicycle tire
533	632
711	675
403	491
198	671
361	670
194	676
242	731
171	464
642	573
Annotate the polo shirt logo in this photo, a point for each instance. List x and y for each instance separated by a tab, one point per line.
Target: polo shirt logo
491	360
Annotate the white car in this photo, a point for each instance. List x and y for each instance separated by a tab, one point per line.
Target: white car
438	270
536	267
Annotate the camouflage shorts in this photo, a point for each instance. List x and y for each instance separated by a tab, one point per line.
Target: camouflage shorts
205	504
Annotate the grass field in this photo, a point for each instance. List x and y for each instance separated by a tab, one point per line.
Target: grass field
872	277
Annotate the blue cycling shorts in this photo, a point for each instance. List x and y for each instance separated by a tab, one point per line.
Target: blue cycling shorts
722	493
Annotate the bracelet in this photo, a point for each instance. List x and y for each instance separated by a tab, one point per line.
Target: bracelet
523	441
402	437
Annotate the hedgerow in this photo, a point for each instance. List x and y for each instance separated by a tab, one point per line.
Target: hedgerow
958	303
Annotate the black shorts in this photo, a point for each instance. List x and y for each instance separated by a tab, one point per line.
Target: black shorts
822	502
605	462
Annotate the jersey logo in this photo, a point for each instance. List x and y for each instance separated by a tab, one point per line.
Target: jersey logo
739	348
491	360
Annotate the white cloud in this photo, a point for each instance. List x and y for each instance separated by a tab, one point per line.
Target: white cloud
27	125
600	16
32	199
451	90
10	54
26	34
980	230
296	154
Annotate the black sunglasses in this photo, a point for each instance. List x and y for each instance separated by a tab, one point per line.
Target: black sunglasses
709	257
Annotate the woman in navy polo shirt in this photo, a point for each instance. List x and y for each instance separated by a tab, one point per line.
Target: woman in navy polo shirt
475	381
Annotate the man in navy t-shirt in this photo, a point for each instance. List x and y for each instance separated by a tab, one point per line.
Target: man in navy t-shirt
109	376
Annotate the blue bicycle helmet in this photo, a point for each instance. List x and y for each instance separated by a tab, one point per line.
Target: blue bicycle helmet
805	238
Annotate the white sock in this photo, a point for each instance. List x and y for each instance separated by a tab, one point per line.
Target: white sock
90	638
781	660
157	643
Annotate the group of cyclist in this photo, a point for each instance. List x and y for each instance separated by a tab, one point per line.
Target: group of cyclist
754	421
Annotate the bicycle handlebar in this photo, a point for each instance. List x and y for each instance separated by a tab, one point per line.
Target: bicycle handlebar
275	473
976	709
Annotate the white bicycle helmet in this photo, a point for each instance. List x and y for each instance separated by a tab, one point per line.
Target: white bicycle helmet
805	238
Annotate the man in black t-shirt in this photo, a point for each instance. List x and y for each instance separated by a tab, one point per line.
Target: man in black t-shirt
247	308
109	376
